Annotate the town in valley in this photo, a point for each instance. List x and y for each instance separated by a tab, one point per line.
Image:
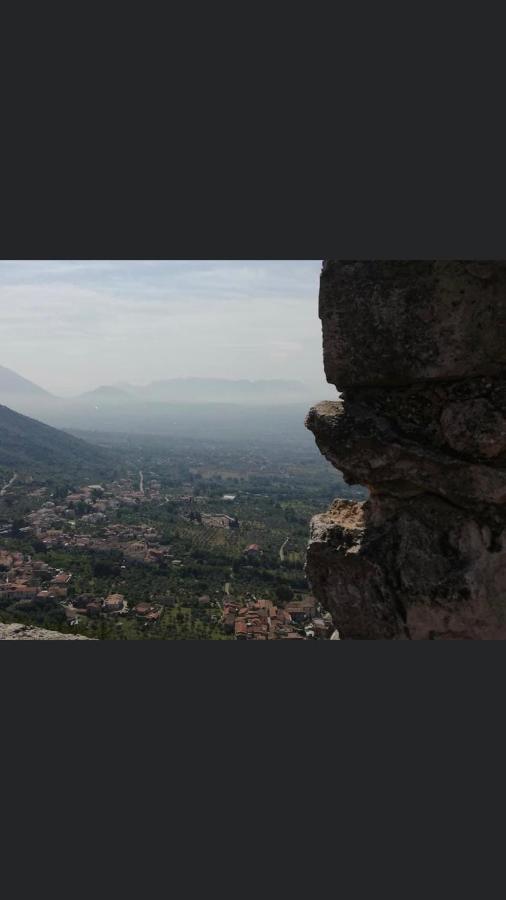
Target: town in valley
181	539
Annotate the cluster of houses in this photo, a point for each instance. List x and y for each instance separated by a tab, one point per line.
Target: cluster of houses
262	620
29	582
88	605
139	543
91	504
57	524
60	524
113	604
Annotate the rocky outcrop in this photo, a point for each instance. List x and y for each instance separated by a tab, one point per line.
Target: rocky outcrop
418	350
15	632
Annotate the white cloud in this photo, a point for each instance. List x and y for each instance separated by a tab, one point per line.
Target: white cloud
72	325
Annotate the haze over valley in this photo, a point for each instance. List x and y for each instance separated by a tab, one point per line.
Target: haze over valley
185	407
156	477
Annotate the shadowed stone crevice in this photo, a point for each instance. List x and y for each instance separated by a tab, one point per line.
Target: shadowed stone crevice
418	350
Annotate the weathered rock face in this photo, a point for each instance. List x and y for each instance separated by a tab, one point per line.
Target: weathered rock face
418	350
17	632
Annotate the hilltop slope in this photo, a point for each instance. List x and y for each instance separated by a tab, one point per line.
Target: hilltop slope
14	385
27	445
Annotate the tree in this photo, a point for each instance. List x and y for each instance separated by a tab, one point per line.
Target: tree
283	593
17	525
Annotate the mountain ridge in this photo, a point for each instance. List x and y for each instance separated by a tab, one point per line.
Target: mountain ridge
12	382
194	389
27	445
184	388
192	406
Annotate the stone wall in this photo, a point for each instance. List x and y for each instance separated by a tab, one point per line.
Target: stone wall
418	350
16	632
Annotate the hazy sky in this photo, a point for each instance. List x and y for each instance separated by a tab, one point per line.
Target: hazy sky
71	326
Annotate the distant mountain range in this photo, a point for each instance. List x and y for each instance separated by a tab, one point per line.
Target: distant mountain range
171	406
169	390
29	446
201	390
